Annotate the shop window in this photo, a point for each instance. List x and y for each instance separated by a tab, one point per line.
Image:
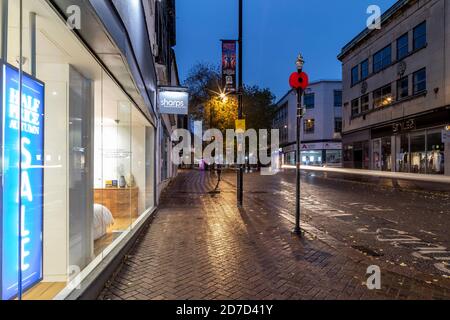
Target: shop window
365	69
402	47
402	88
420	81
435	153
355	107
420	36
418	153
382	59
355	75
312	158
365	103
334	157
382	97
347	154
376	154
309	100
309	126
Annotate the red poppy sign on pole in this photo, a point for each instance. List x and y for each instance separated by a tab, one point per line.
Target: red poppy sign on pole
299	80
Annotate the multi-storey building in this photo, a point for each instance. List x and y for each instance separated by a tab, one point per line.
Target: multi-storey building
321	126
396	91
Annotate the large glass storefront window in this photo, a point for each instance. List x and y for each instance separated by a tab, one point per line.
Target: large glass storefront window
289	158
312	158
85	154
421	152
334	157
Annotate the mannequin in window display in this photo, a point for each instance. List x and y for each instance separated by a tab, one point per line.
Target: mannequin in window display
436	162
431	163
307	161
403	162
376	159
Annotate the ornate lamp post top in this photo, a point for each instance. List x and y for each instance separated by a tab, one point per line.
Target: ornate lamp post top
300	62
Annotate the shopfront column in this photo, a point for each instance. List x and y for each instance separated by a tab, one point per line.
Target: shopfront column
447	159
4	29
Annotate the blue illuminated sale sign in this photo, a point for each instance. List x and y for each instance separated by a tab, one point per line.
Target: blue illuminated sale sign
25	205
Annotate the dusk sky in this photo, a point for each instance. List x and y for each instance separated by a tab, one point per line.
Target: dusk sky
275	31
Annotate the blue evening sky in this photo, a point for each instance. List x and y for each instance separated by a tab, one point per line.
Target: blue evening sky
274	32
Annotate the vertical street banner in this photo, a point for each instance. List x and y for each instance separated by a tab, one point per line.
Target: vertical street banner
21	205
229	63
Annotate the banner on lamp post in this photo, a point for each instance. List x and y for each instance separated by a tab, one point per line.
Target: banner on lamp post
229	62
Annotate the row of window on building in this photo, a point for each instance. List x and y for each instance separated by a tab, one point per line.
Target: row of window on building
309	100
383	58
384	96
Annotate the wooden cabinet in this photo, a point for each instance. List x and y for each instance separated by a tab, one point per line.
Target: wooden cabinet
120	201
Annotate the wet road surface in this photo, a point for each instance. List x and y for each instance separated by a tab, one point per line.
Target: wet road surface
402	227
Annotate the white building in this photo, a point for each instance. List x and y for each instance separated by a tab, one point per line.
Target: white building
321	126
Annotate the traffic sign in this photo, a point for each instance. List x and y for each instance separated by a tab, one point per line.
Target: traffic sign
299	80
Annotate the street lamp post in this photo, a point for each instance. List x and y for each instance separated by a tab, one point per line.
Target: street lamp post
240	175
302	81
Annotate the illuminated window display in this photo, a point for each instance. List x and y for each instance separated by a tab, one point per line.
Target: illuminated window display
85	156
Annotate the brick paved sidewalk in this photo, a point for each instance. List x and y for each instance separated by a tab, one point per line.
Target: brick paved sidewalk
200	246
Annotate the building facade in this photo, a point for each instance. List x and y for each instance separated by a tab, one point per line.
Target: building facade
321	126
396	91
84	172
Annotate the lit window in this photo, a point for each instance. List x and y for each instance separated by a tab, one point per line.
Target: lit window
382	97
309	125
